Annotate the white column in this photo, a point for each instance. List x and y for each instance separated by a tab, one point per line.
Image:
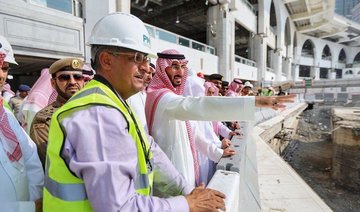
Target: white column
296	68
123	6
94	10
259	56
288	67
221	35
315	72
277	61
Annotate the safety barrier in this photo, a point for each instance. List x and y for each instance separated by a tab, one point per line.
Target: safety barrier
227	182
355	98
310	97
236	176
343	98
329	98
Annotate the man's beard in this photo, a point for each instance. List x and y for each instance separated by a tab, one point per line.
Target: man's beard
63	94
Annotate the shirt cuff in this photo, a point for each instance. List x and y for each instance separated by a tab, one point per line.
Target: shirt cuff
178	204
218	154
188	189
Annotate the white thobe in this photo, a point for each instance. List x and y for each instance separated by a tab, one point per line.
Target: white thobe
137	102
21	182
169	128
209	148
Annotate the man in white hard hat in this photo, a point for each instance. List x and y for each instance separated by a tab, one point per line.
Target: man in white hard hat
109	164
247	89
21	175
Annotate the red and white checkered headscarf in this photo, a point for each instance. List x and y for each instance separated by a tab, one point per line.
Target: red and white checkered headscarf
41	90
2	58
209	85
234	88
8	139
160	85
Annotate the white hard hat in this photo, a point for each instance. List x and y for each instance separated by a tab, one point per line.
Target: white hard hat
122	30
248	84
7	49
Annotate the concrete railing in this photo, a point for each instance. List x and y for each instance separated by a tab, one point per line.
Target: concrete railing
236	176
330	83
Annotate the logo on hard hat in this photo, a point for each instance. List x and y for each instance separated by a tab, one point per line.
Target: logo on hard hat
146	40
0	45
75	64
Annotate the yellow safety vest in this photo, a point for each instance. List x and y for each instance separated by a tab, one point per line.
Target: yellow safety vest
6	105
64	191
267	92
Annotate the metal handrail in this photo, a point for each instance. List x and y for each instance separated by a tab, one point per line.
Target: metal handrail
249	5
205	48
270	69
245	61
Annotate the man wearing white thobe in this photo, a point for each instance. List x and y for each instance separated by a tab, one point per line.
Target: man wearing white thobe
167	112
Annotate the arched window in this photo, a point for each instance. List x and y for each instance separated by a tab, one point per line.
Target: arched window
326	53
348	72
308	49
273	22
342	56
357	59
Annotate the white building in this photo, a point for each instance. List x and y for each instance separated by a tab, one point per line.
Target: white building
257	40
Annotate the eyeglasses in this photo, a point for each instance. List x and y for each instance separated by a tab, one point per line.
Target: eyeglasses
137	57
67	77
5	69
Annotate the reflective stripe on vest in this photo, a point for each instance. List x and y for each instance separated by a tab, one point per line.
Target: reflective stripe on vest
67	192
62	187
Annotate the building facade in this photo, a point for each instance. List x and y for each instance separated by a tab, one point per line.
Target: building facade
256	40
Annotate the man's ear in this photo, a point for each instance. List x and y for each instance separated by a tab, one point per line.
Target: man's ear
105	60
53	82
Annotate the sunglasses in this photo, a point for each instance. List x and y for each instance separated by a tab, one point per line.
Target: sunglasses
137	57
67	77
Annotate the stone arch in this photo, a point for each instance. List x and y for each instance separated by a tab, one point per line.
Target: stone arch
342	56
272	17
349	72
326	53
357	59
308	49
287	37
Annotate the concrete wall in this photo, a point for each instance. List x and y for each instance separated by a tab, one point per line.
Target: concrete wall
346	157
245	72
319	45
39	31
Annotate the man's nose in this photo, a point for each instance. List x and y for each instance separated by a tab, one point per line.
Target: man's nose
72	80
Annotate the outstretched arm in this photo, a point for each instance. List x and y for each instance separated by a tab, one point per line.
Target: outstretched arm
274	102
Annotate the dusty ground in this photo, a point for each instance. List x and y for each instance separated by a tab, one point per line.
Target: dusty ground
310	155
